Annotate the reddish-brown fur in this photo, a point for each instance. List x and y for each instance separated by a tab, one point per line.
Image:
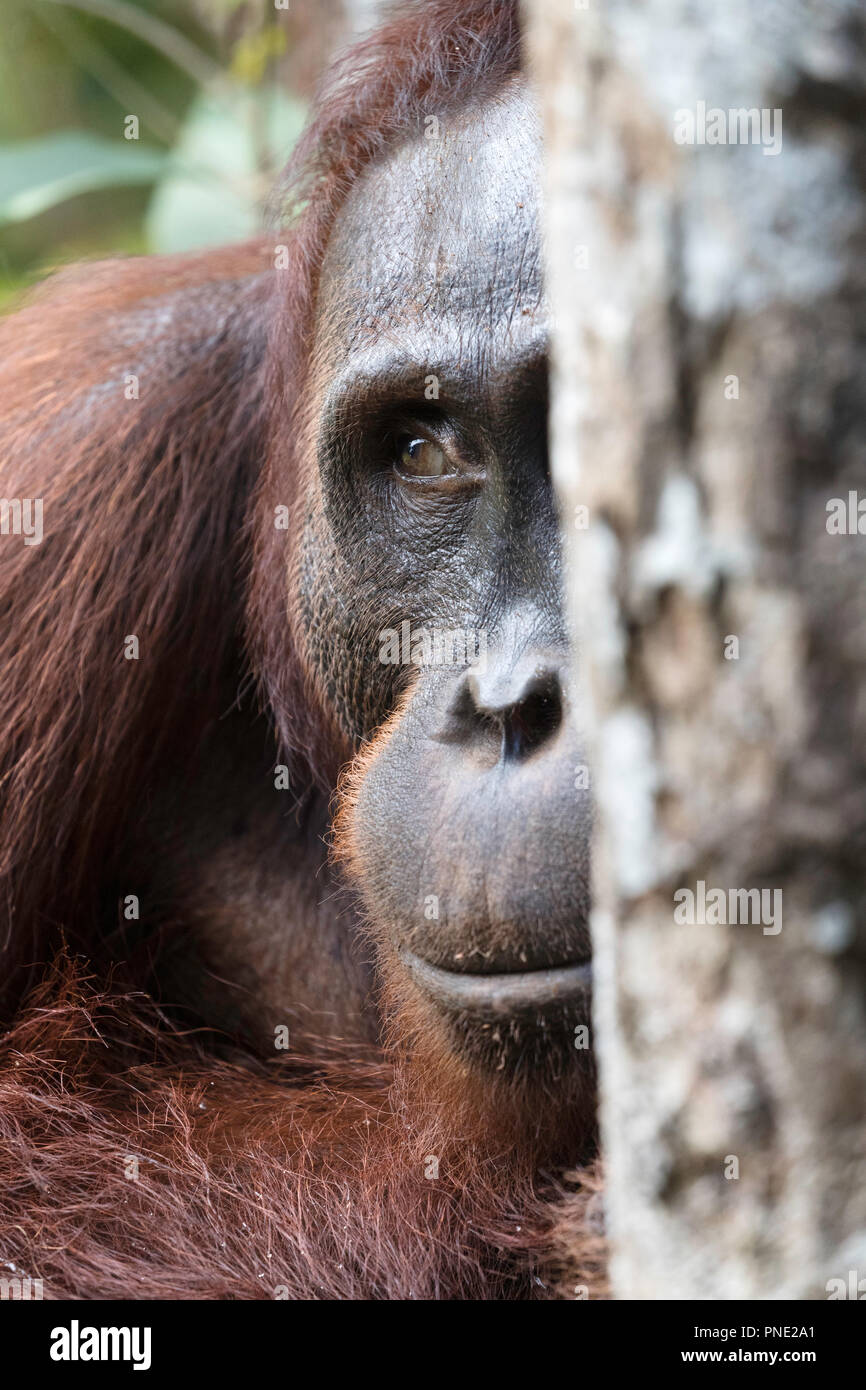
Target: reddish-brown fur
303	1180
303	1177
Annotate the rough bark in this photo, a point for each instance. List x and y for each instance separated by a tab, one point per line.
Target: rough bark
673	269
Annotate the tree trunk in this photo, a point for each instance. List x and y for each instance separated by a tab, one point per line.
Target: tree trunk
709	404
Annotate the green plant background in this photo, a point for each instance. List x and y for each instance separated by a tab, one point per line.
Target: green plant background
205	81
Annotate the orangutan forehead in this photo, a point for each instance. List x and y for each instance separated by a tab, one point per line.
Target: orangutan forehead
447	229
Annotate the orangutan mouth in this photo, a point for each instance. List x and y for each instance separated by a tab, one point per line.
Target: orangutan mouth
502	995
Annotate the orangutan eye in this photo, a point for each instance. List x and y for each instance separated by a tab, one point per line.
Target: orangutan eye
421	458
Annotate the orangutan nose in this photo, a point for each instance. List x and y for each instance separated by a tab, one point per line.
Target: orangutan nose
522	704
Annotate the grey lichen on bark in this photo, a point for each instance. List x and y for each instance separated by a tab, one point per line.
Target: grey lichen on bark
708	403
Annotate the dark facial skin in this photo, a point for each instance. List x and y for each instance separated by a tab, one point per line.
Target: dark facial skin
473	841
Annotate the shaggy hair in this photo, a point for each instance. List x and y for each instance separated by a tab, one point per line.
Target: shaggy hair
139	1159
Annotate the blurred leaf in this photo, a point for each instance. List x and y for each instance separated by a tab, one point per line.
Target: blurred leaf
38	174
161	35
253	52
213	193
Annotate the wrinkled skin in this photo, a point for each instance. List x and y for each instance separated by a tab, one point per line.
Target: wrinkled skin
430	1166
462	823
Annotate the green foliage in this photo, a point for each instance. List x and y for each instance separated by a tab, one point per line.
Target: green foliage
214	129
38	174
254	52
225	159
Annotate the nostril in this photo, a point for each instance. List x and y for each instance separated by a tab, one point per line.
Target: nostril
533	719
505	714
